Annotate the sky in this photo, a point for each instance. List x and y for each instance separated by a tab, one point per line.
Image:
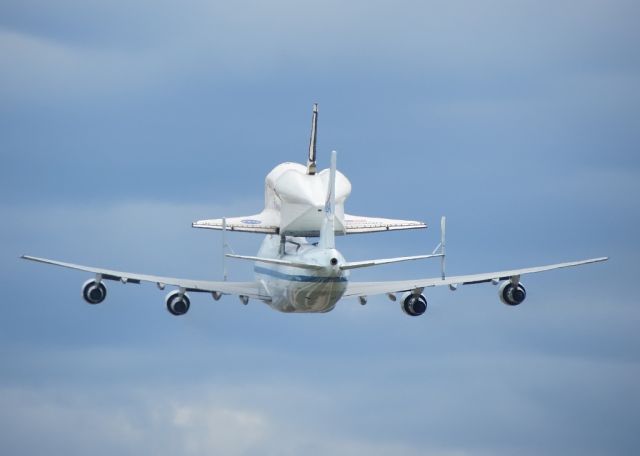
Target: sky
122	122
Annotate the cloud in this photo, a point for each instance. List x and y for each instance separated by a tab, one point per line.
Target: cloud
126	234
122	122
37	68
446	404
206	429
79	423
104	47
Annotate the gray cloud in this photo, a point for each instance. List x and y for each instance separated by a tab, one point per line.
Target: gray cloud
469	404
122	122
102	47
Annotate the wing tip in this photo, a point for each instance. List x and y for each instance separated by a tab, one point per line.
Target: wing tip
596	260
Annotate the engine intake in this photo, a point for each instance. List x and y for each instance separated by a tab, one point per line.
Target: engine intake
413	305
511	294
177	303
93	292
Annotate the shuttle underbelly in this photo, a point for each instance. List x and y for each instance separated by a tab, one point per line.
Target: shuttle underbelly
303	219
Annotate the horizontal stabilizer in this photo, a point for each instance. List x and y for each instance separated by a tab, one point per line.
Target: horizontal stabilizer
276	261
369	263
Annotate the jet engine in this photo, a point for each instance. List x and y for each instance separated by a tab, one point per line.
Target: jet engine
412	304
177	303
511	294
94	292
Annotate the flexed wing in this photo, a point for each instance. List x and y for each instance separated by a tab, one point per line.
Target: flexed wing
374	288
243	289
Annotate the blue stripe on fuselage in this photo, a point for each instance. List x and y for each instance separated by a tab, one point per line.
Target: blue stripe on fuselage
297	278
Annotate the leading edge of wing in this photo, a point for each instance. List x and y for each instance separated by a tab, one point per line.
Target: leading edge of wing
250	289
373	288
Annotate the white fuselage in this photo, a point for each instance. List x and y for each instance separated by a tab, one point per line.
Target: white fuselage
294	200
295	289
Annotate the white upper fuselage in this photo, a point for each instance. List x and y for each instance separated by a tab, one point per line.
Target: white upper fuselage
297	199
294	289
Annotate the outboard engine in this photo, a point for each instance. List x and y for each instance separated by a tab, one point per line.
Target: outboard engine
177	303
511	294
413	305
93	292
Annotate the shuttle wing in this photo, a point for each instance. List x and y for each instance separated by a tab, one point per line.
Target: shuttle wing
357	224
374	288
265	222
250	289
268	222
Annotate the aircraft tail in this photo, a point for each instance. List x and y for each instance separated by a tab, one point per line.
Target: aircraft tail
328	230
311	162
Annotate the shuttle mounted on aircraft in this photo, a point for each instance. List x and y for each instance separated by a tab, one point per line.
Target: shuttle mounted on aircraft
296	274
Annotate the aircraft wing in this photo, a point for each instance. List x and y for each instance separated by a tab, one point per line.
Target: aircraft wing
249	289
374	288
265	222
354	224
268	222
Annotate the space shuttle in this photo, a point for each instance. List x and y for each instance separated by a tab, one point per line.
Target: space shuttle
294	203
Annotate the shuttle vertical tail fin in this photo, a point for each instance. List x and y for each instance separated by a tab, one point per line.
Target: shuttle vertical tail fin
328	230
311	162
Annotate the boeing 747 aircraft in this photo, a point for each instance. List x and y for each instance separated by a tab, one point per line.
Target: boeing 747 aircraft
293	274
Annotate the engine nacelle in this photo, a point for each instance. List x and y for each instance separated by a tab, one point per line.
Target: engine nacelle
93	292
413	305
510	294
177	303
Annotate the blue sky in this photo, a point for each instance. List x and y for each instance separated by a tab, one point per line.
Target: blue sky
122	122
